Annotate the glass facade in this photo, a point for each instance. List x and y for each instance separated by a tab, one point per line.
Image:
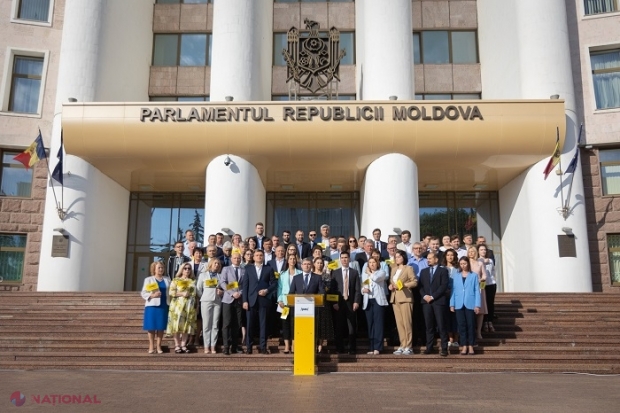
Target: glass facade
15	179
156	222
309	210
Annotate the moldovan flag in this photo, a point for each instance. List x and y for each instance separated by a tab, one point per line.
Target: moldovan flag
553	161
33	154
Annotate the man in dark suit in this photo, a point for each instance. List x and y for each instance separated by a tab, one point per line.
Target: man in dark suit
349	301
278	263
286	238
176	260
433	288
260	235
307	282
378	244
302	247
313	240
259	282
363	257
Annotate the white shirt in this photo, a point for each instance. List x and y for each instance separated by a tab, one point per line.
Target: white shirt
258	270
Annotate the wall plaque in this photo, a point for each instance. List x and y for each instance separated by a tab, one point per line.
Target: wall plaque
566	246
60	246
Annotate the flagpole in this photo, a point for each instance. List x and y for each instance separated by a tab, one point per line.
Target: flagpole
572	178
560	174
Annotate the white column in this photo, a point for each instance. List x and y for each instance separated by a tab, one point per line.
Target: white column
385	66
389	203
97	206
526	55
241	59
234	197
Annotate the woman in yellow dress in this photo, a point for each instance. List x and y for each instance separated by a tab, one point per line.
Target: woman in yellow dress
182	313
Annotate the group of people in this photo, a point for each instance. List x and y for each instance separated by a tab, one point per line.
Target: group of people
408	291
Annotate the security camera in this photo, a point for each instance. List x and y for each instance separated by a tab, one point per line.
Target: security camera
227	161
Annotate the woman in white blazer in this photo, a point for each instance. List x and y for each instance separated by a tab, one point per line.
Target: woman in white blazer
210	303
155	305
465	301
375	301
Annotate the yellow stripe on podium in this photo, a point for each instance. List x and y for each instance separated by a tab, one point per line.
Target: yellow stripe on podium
304	337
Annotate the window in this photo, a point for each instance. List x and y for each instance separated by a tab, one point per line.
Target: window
610	171
448	96
443	47
36	12
25	84
184	1
600	6
15	179
179	98
313	1
12	249
284	98
613	244
182	49
347	42
606	78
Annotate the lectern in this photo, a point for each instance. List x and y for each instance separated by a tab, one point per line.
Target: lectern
305	340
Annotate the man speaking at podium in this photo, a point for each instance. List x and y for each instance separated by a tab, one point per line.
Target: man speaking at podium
306	282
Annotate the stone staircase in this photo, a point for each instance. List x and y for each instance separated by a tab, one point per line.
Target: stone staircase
534	333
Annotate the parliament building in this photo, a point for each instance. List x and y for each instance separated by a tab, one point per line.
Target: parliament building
433	116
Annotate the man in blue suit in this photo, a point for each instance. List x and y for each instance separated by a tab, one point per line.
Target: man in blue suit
306	282
258	283
433	288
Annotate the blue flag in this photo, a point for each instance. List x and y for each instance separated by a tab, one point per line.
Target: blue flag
57	174
573	163
572	166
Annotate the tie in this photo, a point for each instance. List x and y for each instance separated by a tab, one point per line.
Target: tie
236	273
432	273
345	287
430	287
378	245
306	282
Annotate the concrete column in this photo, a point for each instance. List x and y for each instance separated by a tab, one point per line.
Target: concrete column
234	197
241	59
390	203
97	206
385	64
516	64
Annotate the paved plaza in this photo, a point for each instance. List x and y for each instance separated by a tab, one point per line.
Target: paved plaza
129	391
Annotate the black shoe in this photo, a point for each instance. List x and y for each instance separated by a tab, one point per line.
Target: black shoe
249	351
264	351
234	351
226	352
352	352
341	351
428	351
444	353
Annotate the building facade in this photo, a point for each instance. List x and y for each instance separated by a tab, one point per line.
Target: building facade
178	114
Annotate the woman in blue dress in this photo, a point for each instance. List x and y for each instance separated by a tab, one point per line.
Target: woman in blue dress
155	306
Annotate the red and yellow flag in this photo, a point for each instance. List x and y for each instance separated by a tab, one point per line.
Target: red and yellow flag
33	154
553	161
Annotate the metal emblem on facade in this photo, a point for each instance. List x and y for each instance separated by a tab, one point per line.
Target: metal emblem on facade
313	60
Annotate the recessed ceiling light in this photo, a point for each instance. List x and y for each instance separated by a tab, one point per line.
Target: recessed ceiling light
335	186
194	187
286	187
480	186
145	187
431	186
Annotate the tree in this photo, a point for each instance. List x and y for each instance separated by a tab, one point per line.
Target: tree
197	227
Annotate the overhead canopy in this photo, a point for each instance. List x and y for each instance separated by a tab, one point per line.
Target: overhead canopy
305	146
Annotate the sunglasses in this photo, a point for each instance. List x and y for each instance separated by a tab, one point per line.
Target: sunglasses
351	240
187	268
312	235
